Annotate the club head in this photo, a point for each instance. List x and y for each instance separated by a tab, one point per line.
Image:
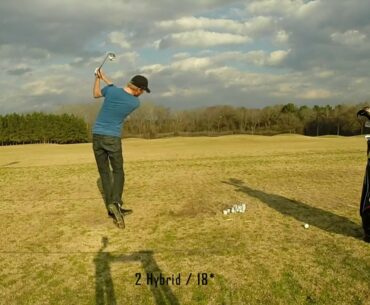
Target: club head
111	56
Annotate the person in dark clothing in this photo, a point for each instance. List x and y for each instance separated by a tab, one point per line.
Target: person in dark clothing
118	103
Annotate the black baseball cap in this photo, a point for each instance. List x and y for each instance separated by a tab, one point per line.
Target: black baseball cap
140	82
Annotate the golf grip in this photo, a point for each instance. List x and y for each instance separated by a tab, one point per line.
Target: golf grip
98	69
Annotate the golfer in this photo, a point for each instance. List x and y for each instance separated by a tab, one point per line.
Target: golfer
118	104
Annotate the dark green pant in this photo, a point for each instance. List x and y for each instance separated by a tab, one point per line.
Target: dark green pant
108	150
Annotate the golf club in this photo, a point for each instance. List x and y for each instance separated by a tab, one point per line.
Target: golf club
111	56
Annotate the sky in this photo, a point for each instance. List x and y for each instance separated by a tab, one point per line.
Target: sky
195	53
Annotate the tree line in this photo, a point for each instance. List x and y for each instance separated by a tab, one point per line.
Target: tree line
39	127
153	121
73	124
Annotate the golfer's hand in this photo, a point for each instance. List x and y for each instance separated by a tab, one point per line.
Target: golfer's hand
99	74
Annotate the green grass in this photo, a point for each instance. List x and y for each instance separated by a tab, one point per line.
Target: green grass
53	222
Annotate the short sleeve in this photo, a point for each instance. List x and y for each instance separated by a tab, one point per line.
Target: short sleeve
105	90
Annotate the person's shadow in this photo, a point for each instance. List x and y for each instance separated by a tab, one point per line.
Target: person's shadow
104	286
302	212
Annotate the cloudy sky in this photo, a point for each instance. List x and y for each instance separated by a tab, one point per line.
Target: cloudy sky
195	52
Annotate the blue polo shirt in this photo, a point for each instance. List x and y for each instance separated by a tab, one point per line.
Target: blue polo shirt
117	105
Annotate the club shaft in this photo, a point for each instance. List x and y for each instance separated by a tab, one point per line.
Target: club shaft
103	61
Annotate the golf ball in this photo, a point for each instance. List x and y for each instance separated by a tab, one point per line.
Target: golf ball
306	226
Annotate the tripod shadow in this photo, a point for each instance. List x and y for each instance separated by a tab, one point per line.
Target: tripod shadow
302	212
104	286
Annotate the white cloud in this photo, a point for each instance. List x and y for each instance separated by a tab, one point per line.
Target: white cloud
127	57
11	54
277	57
350	38
284	89
153	69
306	9
282	37
201	39
184	65
259	25
174	91
251	27
316	94
201	23
19	70
231	77
40	87
200	64
193	63
181	55
322	73
282	7
256	57
120	39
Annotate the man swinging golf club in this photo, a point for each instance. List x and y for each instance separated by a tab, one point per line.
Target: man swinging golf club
118	104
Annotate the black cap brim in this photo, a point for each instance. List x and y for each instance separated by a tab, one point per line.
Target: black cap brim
142	88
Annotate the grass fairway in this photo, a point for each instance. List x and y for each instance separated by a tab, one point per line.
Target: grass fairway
57	245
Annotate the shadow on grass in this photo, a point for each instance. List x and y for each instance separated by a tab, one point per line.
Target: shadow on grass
302	212
104	286
11	163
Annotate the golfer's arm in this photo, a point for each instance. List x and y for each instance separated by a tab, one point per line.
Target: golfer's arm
96	89
106	80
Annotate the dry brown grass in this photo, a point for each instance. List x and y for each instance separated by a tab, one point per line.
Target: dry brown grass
53	221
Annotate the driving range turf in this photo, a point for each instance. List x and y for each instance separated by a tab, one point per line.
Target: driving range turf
58	246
